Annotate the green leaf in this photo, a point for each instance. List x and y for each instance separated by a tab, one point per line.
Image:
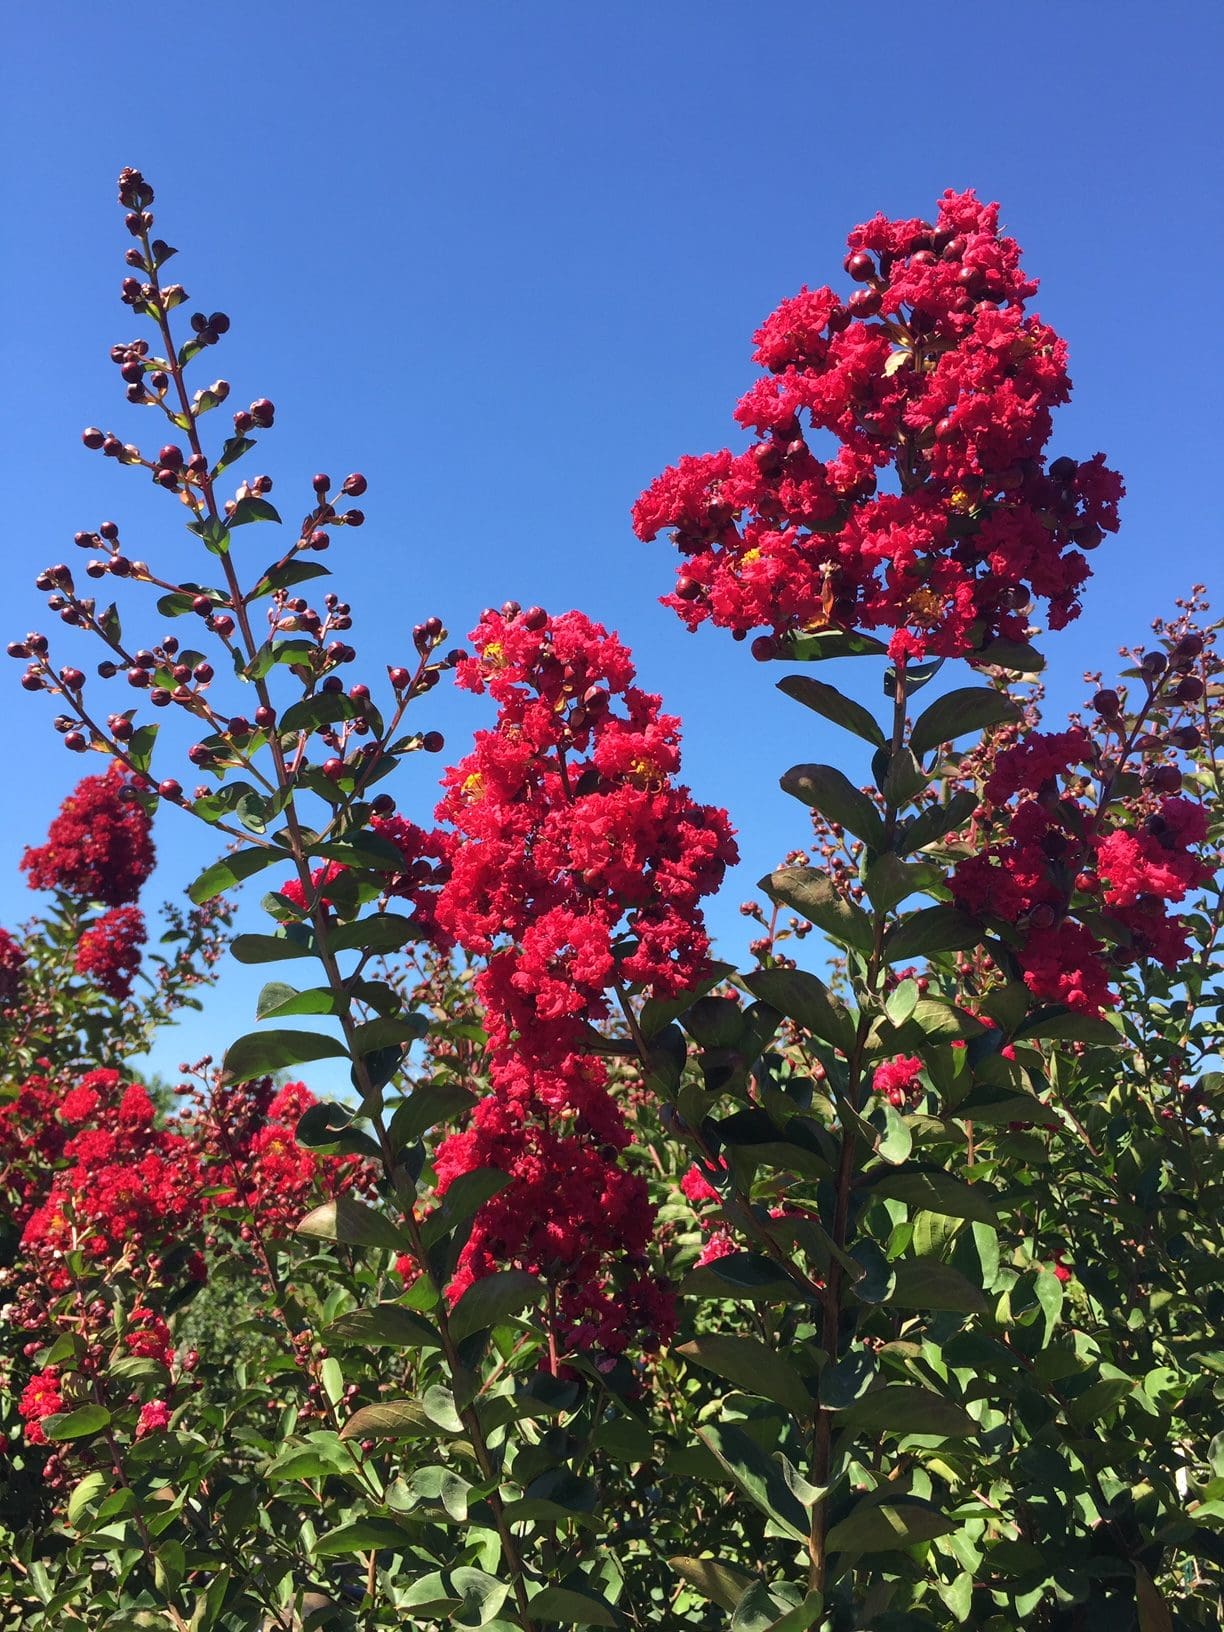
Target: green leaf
889	880
91	1486
833	705
361	1536
903	1408
898	1141
925	1283
312	713
712	1579
931	929
1066	1025
829	791
230	871
277	1000
936	1192
426	1106
752	1366
826	643
887	1527
350	1221
214	533
270	948
285	574
810	893
252	509
740	1275
757	1476
464	1196
387	1325
804	998
391	1419
1015	655
235	447
492	1299
263	1053
902	1002
380	932
969	708
572	1608
85	1421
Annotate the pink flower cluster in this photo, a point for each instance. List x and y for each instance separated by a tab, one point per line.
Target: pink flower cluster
579	866
1066	877
937	516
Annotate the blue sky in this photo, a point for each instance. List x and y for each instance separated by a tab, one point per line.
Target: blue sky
507	260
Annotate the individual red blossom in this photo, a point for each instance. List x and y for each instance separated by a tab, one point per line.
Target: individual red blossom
12	962
945	378
40	1399
98	847
147	1336
898	1080
696	1186
108	952
154	1417
320	878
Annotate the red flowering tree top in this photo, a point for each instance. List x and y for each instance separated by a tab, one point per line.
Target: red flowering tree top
934	514
99	846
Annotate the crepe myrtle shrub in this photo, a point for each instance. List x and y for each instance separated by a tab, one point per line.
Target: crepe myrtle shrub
650	1293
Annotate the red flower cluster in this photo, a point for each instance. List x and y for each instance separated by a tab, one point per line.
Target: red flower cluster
127	1187
1065	878
12	962
897	1080
108	952
40	1399
256	1164
95	1169
580	865
99	846
933	373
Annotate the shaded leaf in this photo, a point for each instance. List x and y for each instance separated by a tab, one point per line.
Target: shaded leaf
387	1324
833	705
811	894
941	928
886	1527
968	708
826	789
936	1192
926	1283
802	997
491	1299
712	1579
350	1221
757	1476
904	1408
263	1053
752	1366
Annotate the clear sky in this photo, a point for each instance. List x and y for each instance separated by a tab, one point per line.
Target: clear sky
506	259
